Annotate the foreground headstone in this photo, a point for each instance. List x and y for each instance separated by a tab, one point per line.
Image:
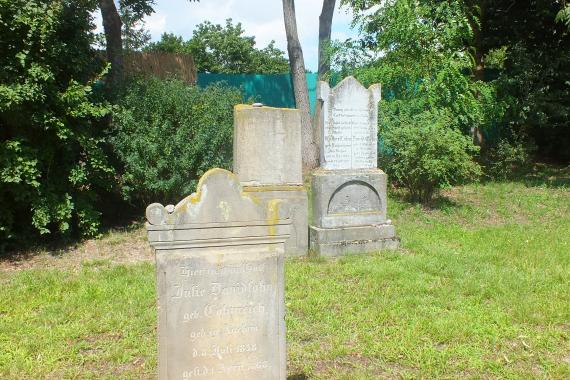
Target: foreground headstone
267	161
220	283
349	199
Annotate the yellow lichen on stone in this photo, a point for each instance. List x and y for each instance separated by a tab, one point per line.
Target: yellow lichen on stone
194	198
273	215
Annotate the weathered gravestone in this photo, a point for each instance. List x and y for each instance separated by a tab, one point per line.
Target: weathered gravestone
348	190
220	283
267	161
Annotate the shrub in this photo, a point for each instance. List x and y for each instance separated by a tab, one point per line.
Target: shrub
52	162
508	158
168	134
425	154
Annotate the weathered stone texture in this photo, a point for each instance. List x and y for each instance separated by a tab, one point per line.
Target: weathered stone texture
294	201
349	199
220	283
349	128
267	161
267	146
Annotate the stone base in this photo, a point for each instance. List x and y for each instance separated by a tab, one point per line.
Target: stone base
350	240
344	198
294	198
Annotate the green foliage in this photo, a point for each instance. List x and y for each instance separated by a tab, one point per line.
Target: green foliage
168	134
508	158
224	49
417	51
169	43
134	35
51	147
535	78
435	55
426	154
564	16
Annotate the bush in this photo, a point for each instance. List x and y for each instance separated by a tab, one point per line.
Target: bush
52	162
168	134
425	154
508	158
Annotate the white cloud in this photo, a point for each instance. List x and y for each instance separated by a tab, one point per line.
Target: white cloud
156	24
262	19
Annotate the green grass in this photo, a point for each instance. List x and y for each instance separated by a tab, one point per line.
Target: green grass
481	289
98	322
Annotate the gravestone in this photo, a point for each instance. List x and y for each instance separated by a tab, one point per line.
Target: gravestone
220	283
267	161
349	199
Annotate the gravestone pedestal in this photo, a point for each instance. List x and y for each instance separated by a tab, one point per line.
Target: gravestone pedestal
294	201
349	212
348	198
220	283
267	161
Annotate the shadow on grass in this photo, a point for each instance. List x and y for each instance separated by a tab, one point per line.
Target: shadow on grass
23	250
299	376
545	175
438	202
537	175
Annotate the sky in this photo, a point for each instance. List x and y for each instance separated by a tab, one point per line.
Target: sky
262	19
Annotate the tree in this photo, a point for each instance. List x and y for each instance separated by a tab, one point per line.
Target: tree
113	40
53	164
310	150
325	24
535	73
134	35
225	49
169	43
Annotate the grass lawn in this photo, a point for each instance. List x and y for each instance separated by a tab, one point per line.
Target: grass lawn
480	289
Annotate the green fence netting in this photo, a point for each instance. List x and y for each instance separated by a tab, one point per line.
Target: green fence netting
274	90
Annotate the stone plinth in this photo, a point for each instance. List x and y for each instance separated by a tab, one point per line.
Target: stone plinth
294	201
267	161
348	198
349	212
220	283
344	198
348	240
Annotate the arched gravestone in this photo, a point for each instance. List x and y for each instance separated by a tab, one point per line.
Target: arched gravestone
220	283
348	190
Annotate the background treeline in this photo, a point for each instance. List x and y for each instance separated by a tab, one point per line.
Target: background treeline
74	149
498	71
77	147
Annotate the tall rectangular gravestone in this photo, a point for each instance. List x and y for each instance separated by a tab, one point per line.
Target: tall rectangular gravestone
349	199
220	283
267	161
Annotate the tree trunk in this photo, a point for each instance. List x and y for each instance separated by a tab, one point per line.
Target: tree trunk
476	19
310	151
325	24
112	25
476	13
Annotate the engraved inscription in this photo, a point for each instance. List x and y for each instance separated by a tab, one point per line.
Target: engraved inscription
350	128
220	314
354	197
349	139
